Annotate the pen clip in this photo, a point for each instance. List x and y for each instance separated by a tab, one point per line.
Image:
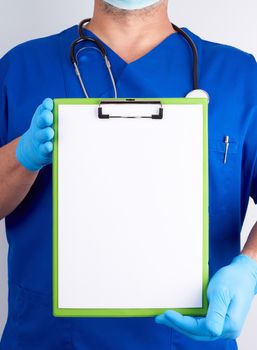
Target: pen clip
226	149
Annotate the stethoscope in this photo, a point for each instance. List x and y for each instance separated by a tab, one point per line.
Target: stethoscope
195	93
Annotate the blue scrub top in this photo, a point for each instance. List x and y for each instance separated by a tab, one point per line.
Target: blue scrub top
41	68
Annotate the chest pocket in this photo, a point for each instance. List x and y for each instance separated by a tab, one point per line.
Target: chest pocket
224	178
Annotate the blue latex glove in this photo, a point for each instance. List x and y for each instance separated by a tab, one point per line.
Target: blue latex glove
34	149
230	293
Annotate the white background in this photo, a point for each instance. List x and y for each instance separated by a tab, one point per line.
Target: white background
232	22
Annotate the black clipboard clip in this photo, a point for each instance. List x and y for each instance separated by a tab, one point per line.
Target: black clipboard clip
129	101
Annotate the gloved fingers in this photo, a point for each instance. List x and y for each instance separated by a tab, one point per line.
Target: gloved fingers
187	323
46	148
236	316
48	104
162	319
44	119
191	327
44	135
219	300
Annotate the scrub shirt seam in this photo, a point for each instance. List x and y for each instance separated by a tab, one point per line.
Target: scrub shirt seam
71	342
60	49
116	82
171	344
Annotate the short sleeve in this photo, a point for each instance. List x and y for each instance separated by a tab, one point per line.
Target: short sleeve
254	183
251	134
3	101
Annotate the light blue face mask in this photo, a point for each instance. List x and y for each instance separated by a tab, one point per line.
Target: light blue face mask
131	4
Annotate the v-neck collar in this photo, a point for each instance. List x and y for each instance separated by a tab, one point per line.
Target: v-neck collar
122	70
168	39
72	34
110	52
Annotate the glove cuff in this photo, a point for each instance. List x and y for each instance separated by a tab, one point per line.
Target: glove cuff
249	264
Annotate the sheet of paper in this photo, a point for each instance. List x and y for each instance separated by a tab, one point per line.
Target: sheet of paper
130	209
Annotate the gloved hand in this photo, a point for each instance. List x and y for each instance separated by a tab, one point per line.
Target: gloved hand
34	149
230	293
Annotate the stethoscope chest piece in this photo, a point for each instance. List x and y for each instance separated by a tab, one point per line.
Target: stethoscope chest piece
198	93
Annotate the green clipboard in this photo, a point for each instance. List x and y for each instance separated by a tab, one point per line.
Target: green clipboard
69	279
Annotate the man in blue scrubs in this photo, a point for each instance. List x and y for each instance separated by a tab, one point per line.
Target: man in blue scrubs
149	59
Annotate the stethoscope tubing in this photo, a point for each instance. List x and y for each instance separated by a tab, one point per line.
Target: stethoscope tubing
84	38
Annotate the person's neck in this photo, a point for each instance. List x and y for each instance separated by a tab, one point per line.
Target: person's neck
131	34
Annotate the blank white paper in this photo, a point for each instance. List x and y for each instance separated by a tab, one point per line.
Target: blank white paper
130	209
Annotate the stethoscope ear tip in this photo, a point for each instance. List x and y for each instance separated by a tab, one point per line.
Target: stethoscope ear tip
198	93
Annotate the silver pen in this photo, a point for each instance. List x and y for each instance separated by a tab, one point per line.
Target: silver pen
226	149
